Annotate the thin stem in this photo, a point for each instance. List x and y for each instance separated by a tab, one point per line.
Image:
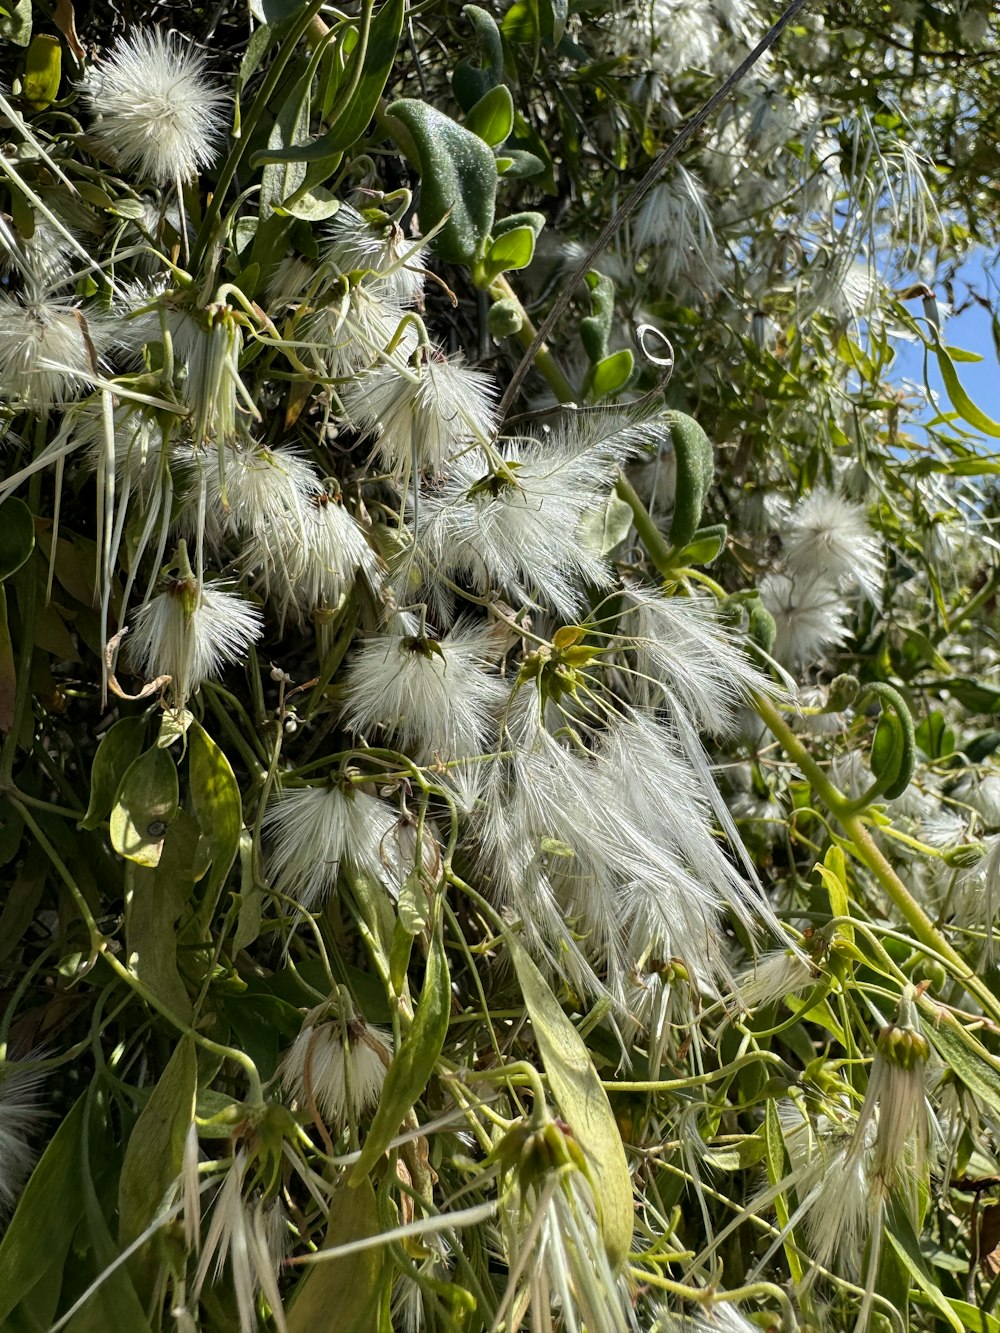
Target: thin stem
869	854
633	200
501	290
99	948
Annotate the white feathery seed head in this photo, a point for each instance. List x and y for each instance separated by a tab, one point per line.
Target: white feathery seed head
980	789
828	537
319	1069
208	344
438	697
682	646
251	491
431	410
809	616
371	240
313	830
351	331
772	977
191	632
19	1117
49	349
721	1316
311	561
161	112
518	527
552	1237
896	1086
252	1233
138	443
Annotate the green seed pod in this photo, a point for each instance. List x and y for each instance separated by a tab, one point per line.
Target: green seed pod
458	180
763	630
505	318
596	328
695	467
894	749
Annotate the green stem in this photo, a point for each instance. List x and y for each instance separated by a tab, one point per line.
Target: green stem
657	547
696	1080
99	948
544	362
235	157
866	849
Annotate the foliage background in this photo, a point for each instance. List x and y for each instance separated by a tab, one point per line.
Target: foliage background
821	217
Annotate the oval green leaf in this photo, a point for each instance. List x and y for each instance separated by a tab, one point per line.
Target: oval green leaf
145	805
458	180
119	747
492	118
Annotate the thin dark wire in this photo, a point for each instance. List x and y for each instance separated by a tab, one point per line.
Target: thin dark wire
643	187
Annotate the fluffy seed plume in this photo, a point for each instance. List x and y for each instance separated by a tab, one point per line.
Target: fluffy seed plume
320	1069
160	111
191	632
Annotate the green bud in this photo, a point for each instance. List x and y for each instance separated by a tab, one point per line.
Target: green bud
763	630
505	318
843	692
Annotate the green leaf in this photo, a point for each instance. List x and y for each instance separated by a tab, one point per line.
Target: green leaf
155	1154
975	695
514	249
492	118
965	1056
119	747
973	1319
536	221
36	1242
705	546
8	670
155	900
17	536
414	1062
596	328
458	180
604	529
777	1169
960	400
315	205
473	79
350	1284
900	1235
282	177
43	71
217	806
582	1102
15	22
145	805
935	737
351	121
609	376
113	1303
695	468
894	748
517	164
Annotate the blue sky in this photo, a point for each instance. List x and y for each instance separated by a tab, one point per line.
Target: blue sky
971	330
